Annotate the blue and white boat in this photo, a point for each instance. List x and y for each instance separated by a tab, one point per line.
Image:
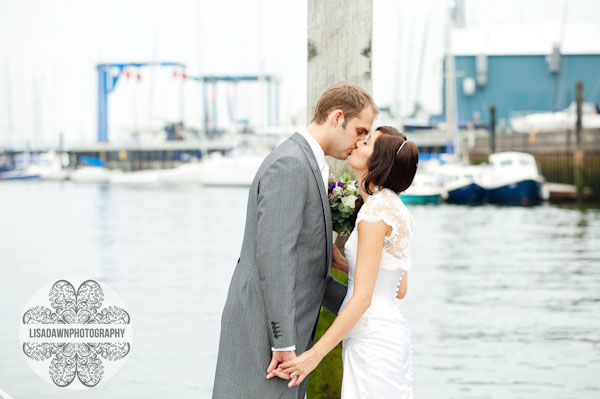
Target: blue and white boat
457	178
511	178
18	169
19	174
459	181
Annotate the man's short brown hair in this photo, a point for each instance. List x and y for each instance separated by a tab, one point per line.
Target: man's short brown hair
348	97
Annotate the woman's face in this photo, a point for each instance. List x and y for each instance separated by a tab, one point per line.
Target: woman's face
360	155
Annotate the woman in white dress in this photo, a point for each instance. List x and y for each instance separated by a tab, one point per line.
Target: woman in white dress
376	348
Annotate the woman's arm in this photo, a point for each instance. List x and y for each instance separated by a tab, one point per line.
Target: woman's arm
370	246
403	286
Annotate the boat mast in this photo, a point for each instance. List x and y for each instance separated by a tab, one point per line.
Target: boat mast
450	78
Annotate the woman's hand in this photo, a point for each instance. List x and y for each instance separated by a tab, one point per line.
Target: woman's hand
300	367
339	262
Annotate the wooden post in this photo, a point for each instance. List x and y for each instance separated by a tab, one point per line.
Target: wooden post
339	49
579	156
339	46
493	129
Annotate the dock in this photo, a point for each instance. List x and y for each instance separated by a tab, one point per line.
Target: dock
564	192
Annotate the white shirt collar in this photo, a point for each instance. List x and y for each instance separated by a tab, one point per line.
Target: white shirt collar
315	147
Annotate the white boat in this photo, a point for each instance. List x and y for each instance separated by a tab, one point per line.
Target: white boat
556	121
229	171
142	177
49	166
92	174
511	178
186	173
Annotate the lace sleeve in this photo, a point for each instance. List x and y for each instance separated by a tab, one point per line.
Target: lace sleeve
386	206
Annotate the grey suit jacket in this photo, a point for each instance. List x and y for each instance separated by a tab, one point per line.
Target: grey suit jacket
282	276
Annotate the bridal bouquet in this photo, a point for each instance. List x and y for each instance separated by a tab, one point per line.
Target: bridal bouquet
342	200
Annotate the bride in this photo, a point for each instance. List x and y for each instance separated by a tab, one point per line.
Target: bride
376	343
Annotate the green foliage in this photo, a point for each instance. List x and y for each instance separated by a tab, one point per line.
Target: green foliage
325	381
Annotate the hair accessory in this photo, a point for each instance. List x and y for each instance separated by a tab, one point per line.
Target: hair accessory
401	147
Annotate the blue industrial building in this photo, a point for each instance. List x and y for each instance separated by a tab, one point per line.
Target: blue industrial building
518	73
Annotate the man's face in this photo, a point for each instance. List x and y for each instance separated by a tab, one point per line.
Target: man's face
356	129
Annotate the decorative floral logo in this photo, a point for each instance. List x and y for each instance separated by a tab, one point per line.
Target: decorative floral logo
73	337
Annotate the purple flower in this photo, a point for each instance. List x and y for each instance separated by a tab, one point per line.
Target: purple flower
331	187
340	184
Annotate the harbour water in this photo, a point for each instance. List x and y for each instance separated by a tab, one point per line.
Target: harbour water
503	302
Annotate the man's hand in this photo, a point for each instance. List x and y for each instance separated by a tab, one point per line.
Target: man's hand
277	358
339	262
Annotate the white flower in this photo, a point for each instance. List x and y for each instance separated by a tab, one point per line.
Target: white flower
349	200
337	191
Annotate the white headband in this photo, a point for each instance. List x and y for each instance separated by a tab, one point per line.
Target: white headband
397	152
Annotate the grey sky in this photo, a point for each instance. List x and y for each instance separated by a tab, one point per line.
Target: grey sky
49	49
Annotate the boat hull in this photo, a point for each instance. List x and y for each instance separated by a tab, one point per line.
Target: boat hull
18	175
524	192
469	194
421	199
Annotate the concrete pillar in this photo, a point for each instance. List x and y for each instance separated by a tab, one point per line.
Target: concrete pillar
339	49
339	46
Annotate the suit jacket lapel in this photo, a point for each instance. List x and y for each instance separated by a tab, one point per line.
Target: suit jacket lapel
297	137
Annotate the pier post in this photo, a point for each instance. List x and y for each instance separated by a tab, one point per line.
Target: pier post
492	129
339	46
579	156
339	49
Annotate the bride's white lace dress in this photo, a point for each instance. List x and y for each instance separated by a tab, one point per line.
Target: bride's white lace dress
377	352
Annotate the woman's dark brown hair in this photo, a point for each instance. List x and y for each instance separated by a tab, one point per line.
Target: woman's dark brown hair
389	168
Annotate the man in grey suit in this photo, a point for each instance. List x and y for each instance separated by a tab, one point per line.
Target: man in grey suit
282	276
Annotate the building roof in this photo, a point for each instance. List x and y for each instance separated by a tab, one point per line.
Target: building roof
526	39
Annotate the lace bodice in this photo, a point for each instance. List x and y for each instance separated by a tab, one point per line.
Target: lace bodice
379	344
385	205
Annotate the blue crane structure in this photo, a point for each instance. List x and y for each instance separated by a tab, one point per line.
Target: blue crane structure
210	107
109	74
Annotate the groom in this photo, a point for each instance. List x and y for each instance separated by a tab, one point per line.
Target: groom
282	276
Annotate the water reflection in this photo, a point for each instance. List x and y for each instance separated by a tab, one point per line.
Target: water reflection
502	302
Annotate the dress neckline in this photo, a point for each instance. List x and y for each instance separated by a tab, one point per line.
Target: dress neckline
377	190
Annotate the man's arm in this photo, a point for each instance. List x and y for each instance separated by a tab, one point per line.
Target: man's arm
335	292
280	208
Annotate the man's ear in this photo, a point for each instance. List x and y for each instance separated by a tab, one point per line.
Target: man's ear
337	116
